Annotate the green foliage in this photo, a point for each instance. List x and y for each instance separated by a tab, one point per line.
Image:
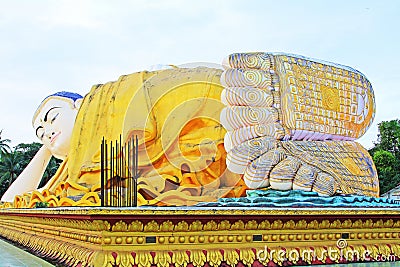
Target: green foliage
386	155
13	162
28	150
39	205
389	137
4	147
10	168
51	169
384	161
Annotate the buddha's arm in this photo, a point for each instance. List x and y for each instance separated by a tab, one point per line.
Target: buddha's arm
30	177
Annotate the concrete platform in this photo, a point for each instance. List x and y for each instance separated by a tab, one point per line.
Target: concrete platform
12	256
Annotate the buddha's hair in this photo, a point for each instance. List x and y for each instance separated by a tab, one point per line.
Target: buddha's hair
70	95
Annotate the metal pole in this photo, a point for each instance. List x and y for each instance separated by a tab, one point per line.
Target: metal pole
106	174
120	174
136	169
124	175
117	173
112	175
129	174
102	173
134	173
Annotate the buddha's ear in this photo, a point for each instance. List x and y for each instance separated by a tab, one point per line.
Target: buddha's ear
78	103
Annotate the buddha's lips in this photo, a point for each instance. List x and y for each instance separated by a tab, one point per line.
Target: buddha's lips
54	137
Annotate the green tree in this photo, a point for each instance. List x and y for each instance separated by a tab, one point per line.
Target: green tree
386	155
28	151
389	137
387	166
9	169
4	147
50	171
14	162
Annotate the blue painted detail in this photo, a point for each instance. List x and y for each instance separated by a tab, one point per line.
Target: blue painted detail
298	198
73	96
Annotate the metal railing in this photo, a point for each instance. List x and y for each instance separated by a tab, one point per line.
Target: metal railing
119	173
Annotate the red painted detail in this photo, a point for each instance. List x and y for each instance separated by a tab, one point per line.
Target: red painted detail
272	264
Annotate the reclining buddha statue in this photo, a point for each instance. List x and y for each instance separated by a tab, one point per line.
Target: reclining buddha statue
268	121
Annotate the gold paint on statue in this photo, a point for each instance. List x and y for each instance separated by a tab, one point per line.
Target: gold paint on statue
175	113
297	103
330	98
317	111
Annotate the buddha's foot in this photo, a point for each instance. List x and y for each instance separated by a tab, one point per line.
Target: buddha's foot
291	121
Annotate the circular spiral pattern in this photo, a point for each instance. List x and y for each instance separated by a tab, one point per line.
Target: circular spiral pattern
330	98
324	184
274	129
250	61
247	96
238	136
238	116
262	61
240	156
253	78
341	243
256	78
257	172
304	177
285	170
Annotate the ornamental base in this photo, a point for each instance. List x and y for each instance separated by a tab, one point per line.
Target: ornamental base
204	236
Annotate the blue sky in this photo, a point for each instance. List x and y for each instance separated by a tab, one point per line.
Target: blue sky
49	46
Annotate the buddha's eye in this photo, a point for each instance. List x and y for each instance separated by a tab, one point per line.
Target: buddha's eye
54	118
40	133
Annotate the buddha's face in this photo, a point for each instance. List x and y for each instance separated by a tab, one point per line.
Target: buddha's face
54	122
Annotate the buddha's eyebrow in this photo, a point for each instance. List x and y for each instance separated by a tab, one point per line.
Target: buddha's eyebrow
47	113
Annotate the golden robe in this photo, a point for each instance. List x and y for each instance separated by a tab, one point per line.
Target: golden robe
175	114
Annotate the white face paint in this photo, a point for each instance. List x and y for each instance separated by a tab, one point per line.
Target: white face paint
54	122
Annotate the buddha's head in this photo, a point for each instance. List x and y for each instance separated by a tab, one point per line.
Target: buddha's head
54	121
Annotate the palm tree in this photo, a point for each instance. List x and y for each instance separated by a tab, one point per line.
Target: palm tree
4	147
13	163
26	152
9	169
